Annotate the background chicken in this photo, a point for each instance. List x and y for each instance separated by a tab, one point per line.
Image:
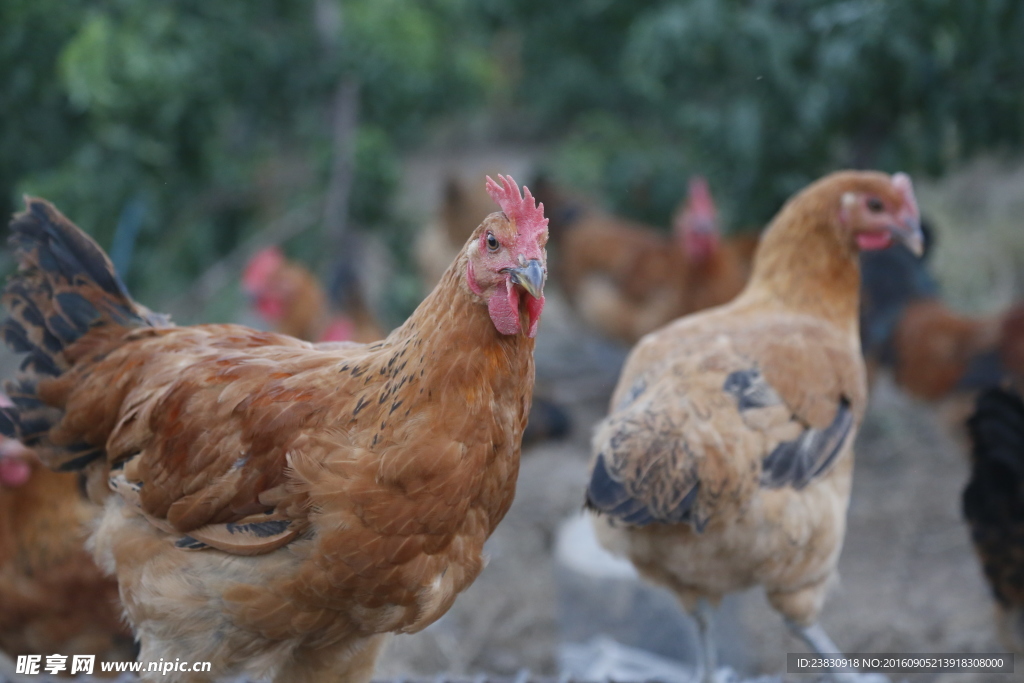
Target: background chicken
717	266
15	467
623	278
275	507
460	210
726	459
54	597
931	350
993	504
626	279
291	299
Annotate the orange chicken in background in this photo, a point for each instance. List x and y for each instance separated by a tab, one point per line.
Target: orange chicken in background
717	267
932	351
726	459
288	297
53	597
272	506
626	279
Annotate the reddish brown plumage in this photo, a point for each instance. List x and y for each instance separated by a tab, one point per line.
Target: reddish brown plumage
622	277
934	347
336	492
54	598
1011	341
934	352
627	279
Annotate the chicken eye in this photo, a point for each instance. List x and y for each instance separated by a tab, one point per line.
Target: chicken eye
875	205
492	242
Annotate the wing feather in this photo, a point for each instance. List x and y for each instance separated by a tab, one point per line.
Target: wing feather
704	418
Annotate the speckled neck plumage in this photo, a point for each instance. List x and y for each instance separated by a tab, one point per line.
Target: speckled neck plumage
453	307
458	358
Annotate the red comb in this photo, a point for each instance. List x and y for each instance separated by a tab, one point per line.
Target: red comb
520	208
263	263
700	196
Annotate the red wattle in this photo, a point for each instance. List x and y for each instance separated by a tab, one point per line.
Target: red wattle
872	241
534	307
14	472
504	310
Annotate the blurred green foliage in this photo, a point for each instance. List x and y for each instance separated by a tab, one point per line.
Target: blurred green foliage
172	130
193	124
763	96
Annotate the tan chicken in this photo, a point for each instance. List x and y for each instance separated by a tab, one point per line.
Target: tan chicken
623	278
726	459
272	506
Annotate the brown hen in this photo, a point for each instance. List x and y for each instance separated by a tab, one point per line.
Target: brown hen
54	598
726	459
272	506
290	298
933	352
461	209
626	279
718	267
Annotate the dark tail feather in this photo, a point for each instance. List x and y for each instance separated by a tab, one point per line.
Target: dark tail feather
993	504
64	287
997	430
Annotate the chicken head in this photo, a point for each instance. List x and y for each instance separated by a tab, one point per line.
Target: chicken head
507	263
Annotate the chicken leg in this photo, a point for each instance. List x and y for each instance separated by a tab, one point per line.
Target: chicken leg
817	639
704	616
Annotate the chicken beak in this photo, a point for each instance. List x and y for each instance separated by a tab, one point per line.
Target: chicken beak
530	277
909	232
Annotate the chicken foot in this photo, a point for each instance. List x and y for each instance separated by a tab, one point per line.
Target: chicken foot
817	639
